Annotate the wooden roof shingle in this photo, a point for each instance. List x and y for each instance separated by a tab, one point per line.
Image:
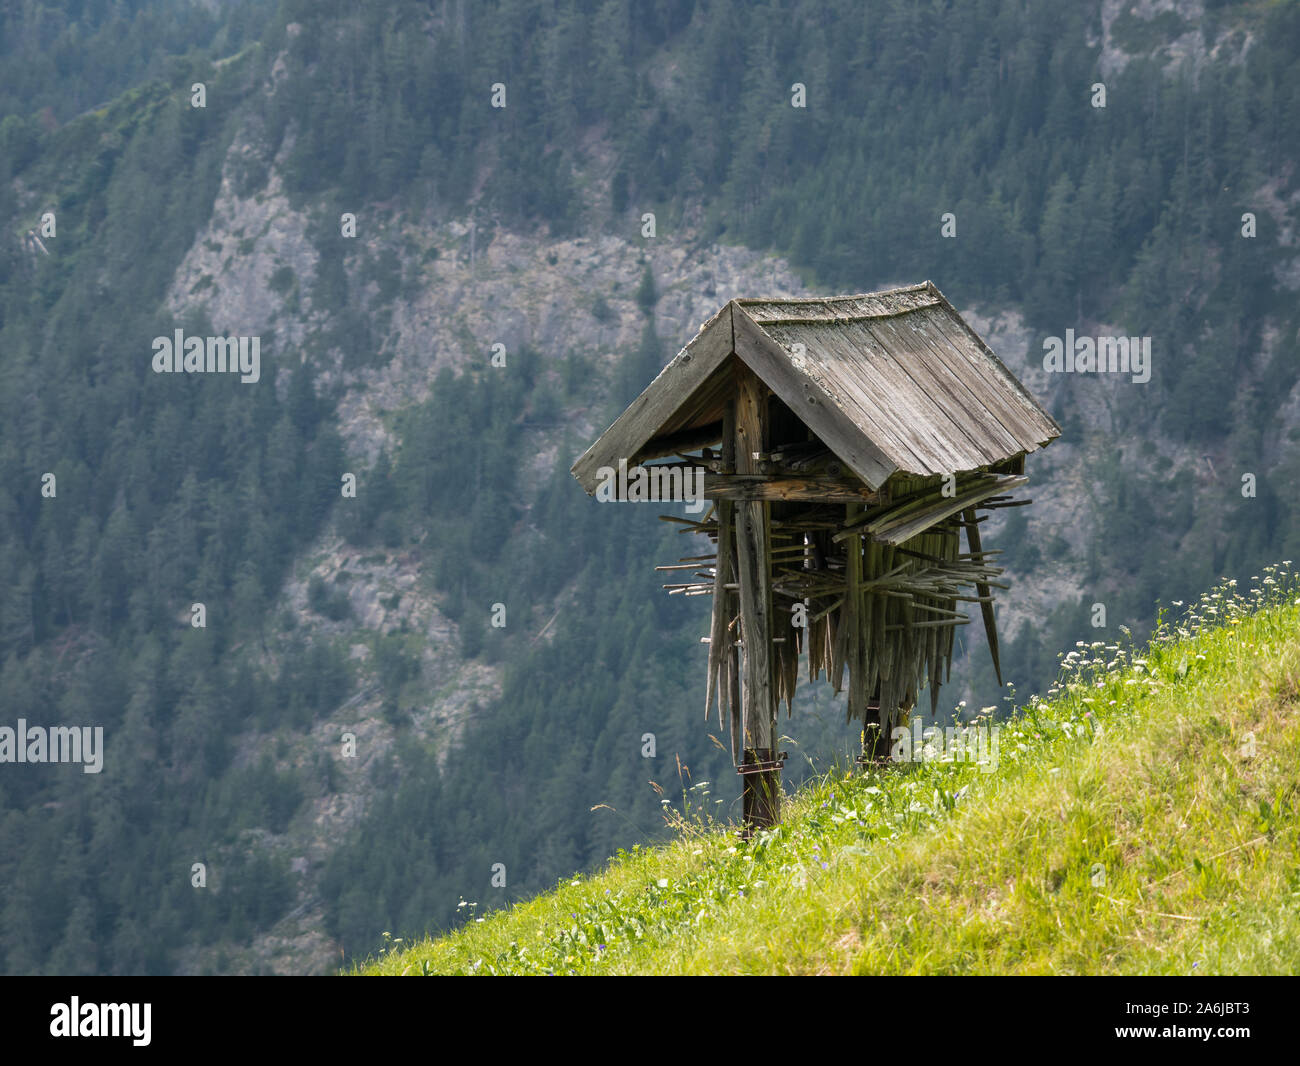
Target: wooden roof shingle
892	382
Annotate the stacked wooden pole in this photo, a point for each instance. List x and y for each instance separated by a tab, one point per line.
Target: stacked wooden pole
878	613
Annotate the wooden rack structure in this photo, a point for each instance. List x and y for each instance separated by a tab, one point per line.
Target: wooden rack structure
847	444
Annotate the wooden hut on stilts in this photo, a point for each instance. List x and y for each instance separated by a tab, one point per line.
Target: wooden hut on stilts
848	447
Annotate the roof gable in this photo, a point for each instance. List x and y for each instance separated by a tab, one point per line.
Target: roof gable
892	382
648	415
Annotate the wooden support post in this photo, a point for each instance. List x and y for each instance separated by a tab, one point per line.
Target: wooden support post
724	598
760	770
984	592
875	745
851	617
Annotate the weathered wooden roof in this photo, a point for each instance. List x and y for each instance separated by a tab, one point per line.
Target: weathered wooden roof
892	382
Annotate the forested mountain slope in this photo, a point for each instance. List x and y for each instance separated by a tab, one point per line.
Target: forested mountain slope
523	226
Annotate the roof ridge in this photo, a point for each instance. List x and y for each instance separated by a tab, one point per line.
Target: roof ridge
744	300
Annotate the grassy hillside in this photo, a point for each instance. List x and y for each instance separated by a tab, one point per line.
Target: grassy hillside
1141	820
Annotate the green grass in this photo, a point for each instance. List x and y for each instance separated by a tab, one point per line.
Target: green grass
1142	819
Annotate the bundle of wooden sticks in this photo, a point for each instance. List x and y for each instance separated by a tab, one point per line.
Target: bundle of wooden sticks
871	592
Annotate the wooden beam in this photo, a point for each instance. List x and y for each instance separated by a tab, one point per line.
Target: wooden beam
762	790
730	666
685	440
803	489
985	594
753	538
719	641
851	618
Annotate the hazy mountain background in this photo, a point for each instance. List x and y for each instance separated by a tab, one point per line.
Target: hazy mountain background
522	226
